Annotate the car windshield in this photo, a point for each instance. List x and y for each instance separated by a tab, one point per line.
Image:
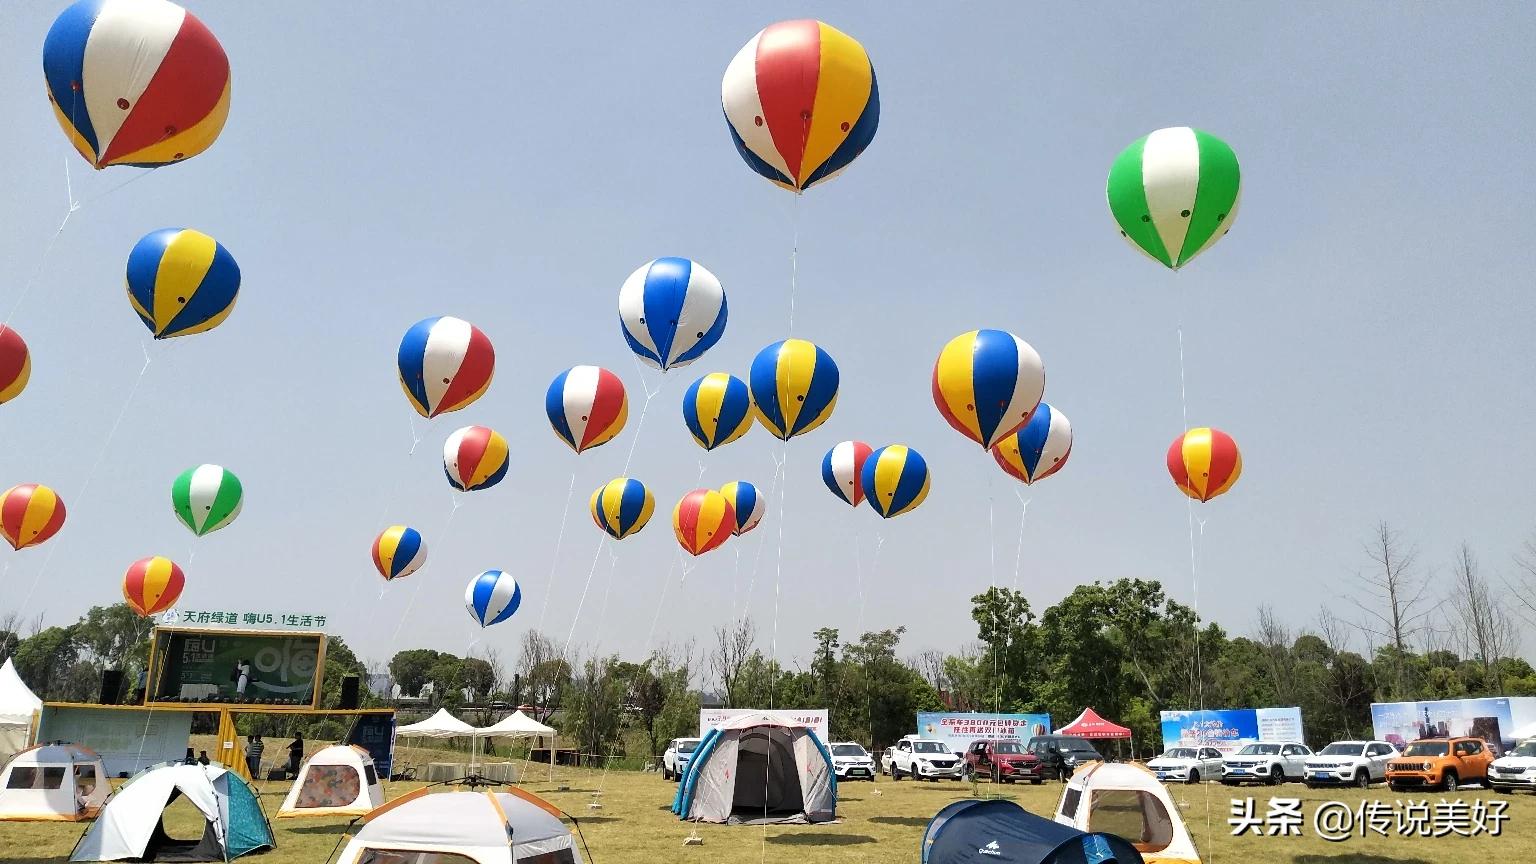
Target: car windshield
687	746
1428	748
1260	750
1526	749
1008	747
1181	753
853	750
929	747
1343	748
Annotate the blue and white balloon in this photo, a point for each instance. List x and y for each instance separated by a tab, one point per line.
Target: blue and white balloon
492	597
672	310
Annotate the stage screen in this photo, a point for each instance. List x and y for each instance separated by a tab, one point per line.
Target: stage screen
236	666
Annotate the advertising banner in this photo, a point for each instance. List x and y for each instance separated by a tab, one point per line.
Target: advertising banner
816	718
1230	729
376	734
958	730
280	669
1501	721
127	741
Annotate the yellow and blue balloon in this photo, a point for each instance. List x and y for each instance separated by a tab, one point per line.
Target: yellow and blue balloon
717	409
986	383
181	281
399	551
747	504
621	507
1037	450
895	480
794	387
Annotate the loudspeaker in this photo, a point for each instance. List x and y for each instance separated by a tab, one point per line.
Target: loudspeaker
348	692
111	686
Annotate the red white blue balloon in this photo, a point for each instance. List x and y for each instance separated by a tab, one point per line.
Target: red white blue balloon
672	310
475	458
492	597
445	364
586	406
842	470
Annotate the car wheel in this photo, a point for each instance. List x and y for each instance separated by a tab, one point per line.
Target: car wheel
1276	776
1451	782
1194	776
1363	779
896	772
1394	787
1036	781
1311	785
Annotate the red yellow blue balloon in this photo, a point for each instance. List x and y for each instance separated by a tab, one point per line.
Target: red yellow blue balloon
801	102
671	310
895	480
1037	450
30	513
703	520
15	364
135	82
587	406
842	470
181	281
474	458
717	409
152	585
986	383
1204	463
445	364
747	503
794	387
399	551
621	507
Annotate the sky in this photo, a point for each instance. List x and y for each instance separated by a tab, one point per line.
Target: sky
1364	332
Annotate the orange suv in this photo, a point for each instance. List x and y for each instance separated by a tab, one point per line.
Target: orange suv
1439	763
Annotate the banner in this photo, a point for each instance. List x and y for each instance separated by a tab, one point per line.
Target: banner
1230	729
1502	722
958	730
236	666
816	718
376	734
127	741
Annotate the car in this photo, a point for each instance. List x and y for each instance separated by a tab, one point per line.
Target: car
1266	762
1349	763
674	762
1515	769
1003	761
1074	750
1440	763
1187	765
850	761
925	759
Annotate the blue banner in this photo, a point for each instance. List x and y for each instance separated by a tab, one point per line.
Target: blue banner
958	730
1230	729
376	734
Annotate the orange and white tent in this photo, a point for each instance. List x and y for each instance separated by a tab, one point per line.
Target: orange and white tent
1127	800
337	781
53	783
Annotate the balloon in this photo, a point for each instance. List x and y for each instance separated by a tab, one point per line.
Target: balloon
842	469
794	387
587	406
15	364
474	458
895	479
1175	193
621	507
747	504
986	383
152	585
1037	450
492	597
1204	463
398	552
30	514
135	82
181	282
445	364
801	102
717	409
207	498
672	310
703	520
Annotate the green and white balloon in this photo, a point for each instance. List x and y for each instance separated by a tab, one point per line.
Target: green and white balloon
207	498
1175	193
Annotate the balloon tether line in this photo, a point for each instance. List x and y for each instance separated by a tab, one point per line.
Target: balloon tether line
554	562
447	527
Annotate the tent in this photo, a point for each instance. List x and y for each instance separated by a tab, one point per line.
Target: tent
520	725
1090	725
506	827
19	707
758	768
53	783
1127	800
337	781
999	830
439	725
132	823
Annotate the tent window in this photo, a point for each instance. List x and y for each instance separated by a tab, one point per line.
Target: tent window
396	856
1135	815
559	856
85	779
1069	802
368	773
329	786
21	778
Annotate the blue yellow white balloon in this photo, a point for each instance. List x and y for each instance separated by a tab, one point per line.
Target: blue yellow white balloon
747	503
895	480
621	507
717	409
181	281
399	551
794	387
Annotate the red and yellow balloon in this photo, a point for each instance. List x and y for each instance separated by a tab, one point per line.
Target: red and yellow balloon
15	364
703	520
30	514
153	585
1204	463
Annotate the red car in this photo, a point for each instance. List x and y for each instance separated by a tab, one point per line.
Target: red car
1003	761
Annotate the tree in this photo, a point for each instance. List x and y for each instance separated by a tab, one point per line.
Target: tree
594	703
1397	601
733	649
1484	625
116	636
545	672
411	669
1523	587
44	661
447	677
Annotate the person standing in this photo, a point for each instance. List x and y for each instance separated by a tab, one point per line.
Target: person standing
243	668
1059	764
295	754
253	748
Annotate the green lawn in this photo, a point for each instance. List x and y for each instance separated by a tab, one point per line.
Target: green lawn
634	825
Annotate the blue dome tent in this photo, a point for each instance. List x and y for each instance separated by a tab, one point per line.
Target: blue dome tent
1003	832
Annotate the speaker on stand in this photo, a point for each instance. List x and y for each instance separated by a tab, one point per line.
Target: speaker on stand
111	686
348	692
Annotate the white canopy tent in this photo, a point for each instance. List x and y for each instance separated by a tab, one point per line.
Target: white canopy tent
520	725
19	708
439	725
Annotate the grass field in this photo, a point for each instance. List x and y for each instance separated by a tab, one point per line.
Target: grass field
634	825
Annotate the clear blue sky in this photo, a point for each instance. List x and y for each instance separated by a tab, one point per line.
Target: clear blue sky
1365	332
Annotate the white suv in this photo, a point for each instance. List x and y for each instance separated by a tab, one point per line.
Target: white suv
1187	764
1516	769
1353	763
1268	762
925	759
674	762
851	761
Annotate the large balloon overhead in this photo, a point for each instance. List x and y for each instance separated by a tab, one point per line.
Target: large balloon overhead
153	585
842	470
445	363
587	406
986	383
794	387
671	310
181	281
1037	450
492	597
895	480
474	458
207	498
399	551
15	364
801	102
1175	193
717	409
30	513
621	507
747	503
703	520
135	82
1204	463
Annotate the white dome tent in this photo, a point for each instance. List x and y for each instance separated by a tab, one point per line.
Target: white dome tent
510	826
53	783
19	708
758	768
339	780
131	824
1127	801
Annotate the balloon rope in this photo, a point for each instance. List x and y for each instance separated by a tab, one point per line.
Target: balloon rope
415	436
997	679
602	614
778	569
549	581
858	574
794	262
442	541
389	498
762	540
37	271
576	619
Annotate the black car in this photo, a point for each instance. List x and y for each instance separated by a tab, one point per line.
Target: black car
1076	751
